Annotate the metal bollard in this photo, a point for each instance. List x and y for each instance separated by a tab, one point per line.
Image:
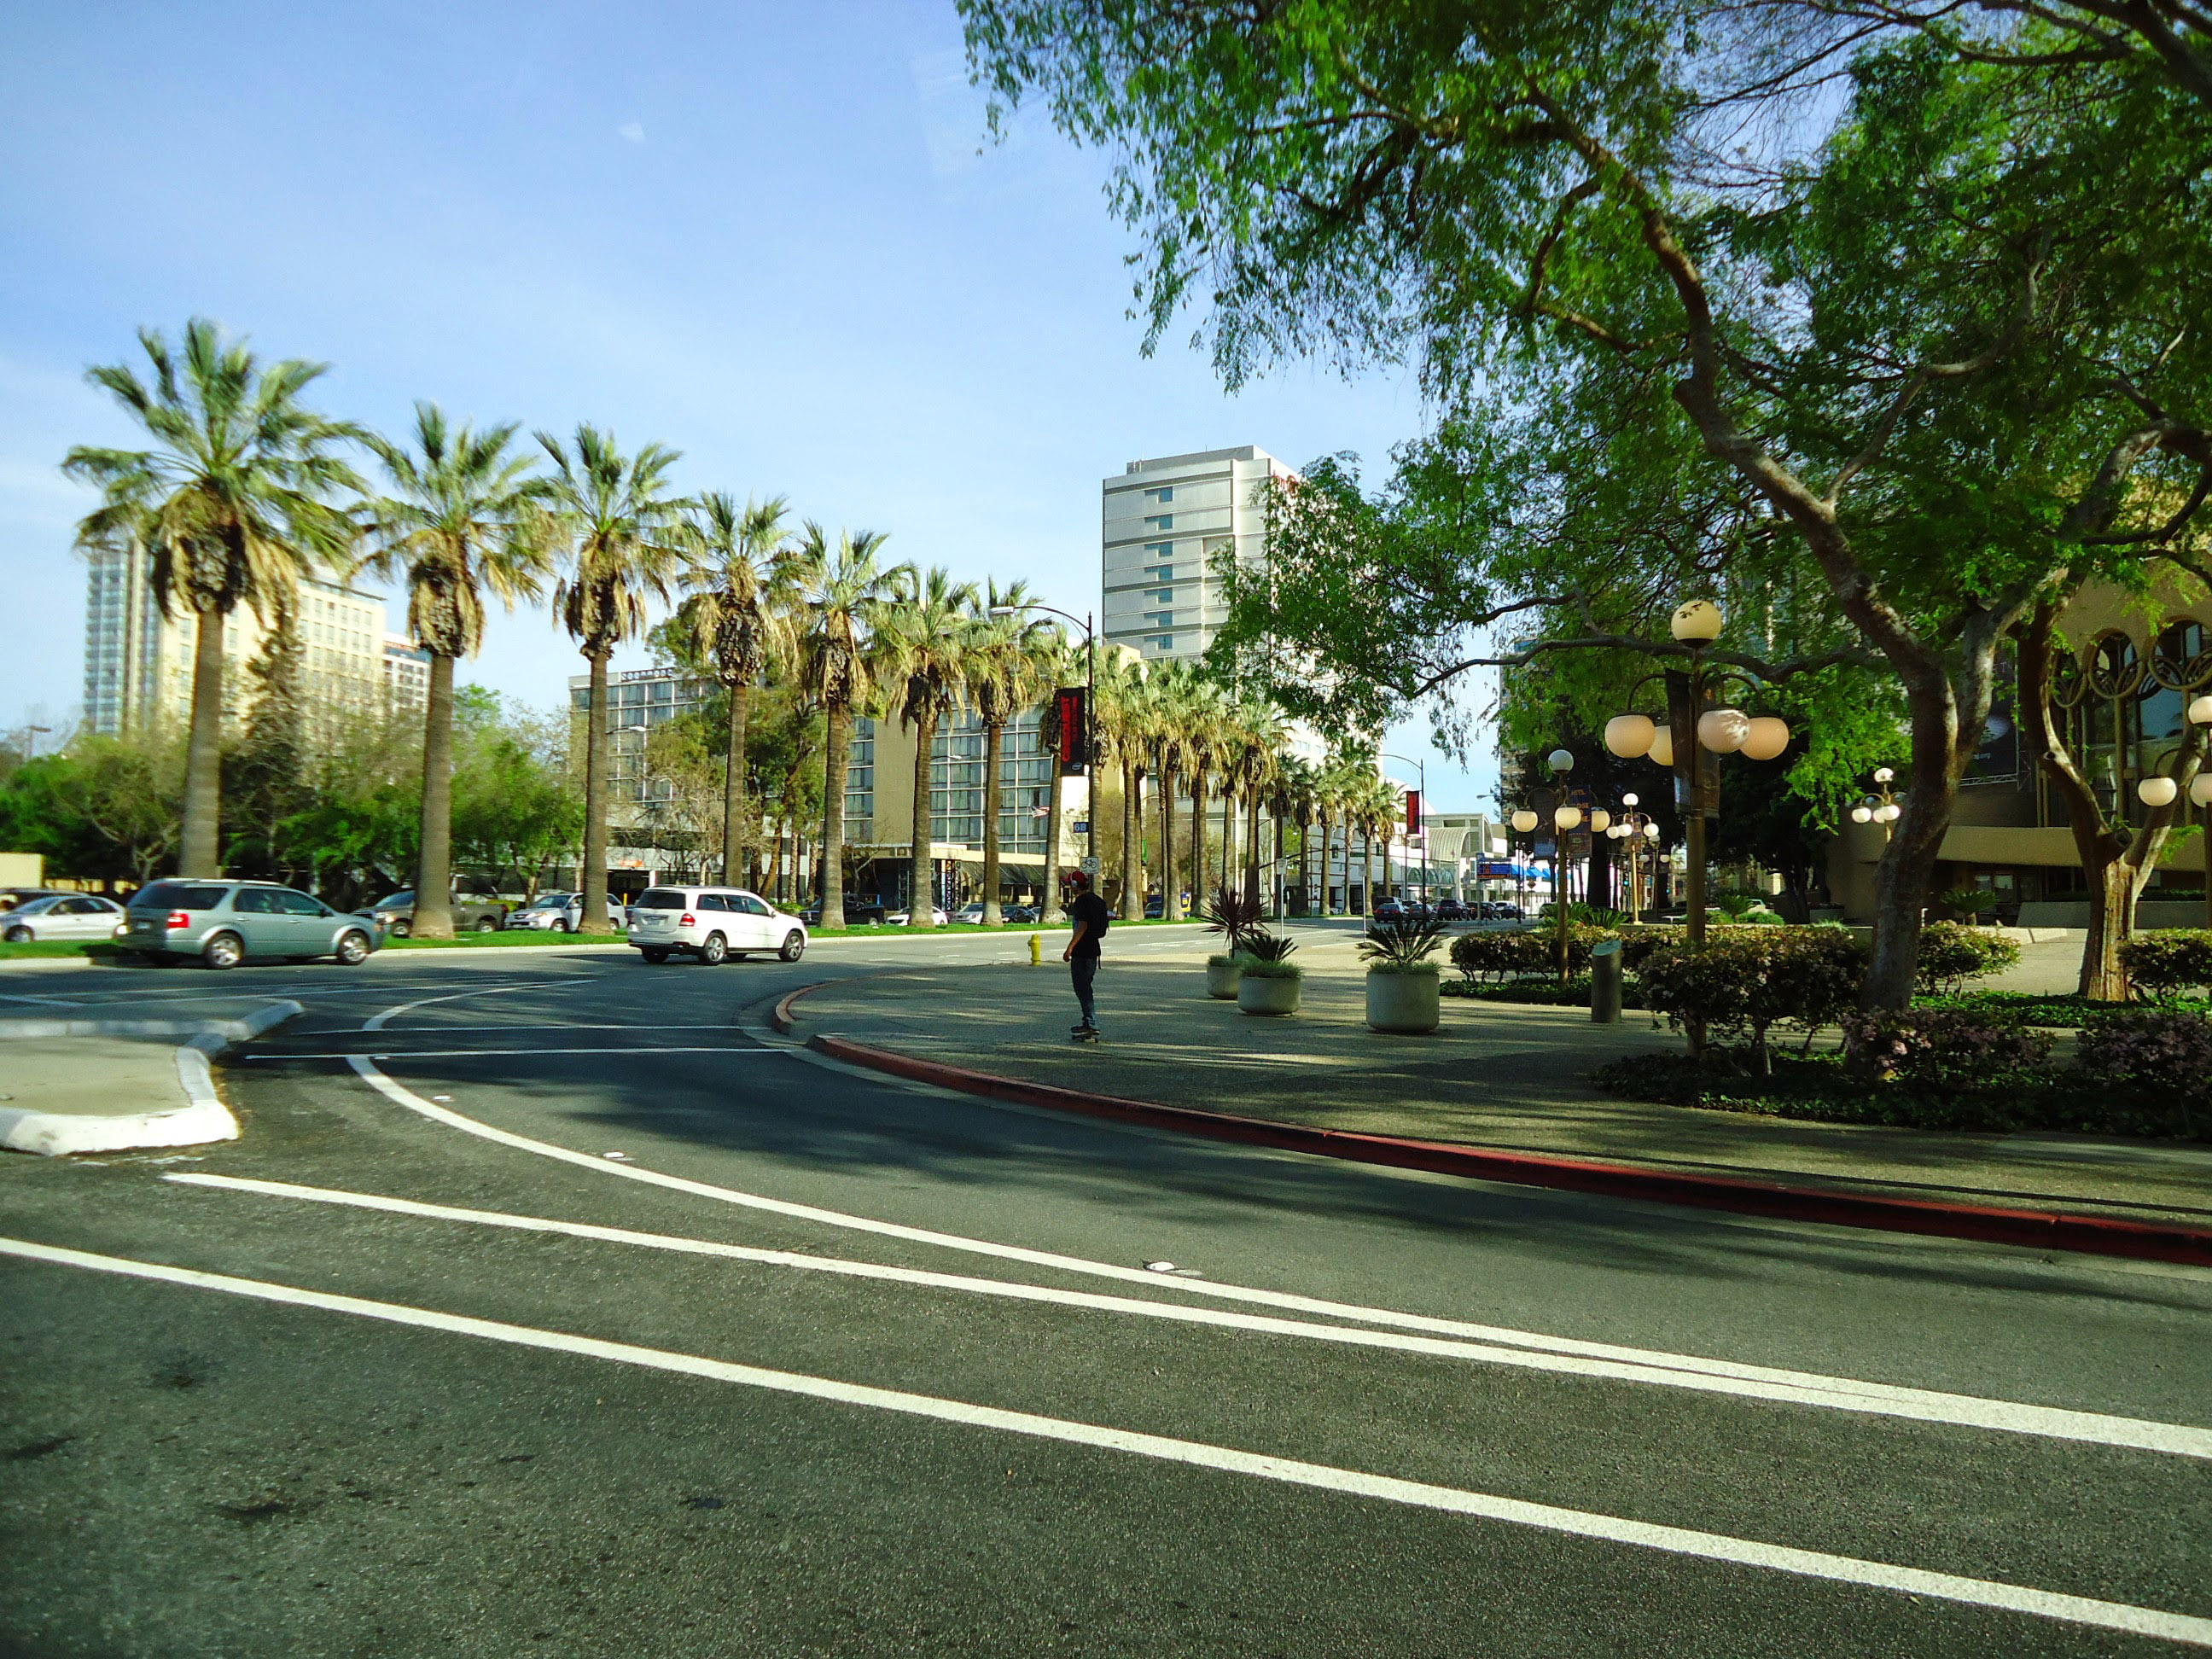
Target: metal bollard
1036	949
1605	983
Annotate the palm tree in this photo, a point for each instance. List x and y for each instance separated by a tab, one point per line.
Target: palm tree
234	503
1201	753
838	590
1003	680
1260	732
1115	724
736	618
1173	698
625	543
923	634
464	516
1055	666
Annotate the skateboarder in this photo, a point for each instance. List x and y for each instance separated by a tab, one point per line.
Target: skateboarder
1089	914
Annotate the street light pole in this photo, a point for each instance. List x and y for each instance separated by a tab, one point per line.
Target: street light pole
1421	768
1089	722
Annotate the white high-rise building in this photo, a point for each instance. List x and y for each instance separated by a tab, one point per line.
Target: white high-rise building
138	663
1164	524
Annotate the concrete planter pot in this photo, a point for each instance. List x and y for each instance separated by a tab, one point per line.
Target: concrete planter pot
1222	975
1269	993
1402	1002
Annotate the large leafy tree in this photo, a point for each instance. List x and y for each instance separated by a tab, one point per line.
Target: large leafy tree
739	619
924	634
840	587
234	499
622	532
463	516
1924	352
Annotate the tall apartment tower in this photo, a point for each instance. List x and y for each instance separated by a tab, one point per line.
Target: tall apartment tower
1164	524
138	663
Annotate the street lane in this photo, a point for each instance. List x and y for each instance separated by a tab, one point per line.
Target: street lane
2089	1519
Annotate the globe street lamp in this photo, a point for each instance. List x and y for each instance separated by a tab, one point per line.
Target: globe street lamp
1883	808
1636	828
1712	727
1565	815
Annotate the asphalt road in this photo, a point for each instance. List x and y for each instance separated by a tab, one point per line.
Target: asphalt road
825	1363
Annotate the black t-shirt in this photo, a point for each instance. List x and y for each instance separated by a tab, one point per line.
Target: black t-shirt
1089	910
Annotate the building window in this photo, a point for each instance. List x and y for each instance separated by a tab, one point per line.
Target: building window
1164	596
1164	493
1159	550
1164	643
1159	619
1161	521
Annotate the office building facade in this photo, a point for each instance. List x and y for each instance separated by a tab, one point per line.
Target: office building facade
1165	525
138	663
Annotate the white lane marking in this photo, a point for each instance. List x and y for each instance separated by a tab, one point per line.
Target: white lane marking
387	1052
1844	1388
1957	1411
50	1002
378	1022
1514	1511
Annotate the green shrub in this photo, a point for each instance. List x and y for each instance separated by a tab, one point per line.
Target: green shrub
1403	943
1951	953
1968	903
1637	943
1747	981
2169	962
1262	968
1263	948
1525	950
1952	1051
2160	1060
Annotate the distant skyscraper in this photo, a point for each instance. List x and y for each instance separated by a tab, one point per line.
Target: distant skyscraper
406	675
1163	523
138	663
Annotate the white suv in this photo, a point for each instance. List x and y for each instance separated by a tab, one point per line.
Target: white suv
713	923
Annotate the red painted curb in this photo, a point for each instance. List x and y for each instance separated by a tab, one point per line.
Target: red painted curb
781	1017
2043	1230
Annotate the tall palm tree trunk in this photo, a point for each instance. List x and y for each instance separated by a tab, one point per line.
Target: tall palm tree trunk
734	786
199	852
1281	900
921	899
994	747
836	756
1051	896
434	862
594	885
1228	833
1132	896
1324	862
1171	887
1366	870
1198	835
1252	846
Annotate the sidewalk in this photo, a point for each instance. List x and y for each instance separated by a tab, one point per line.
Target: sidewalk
1494	1075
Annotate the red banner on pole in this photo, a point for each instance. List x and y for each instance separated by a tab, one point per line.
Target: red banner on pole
1072	752
1412	812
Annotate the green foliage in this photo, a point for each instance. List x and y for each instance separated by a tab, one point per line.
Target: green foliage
1746	980
1950	1051
106	808
1952	953
1967	903
1233	916
2160	1058
1262	949
1507	953
2169	962
1404	944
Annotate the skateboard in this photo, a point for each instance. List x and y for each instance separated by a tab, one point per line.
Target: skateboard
1079	1034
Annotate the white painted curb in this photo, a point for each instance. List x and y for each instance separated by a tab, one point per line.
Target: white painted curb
203	1119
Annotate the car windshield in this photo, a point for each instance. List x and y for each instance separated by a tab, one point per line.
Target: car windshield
549	901
178	896
658	899
406	897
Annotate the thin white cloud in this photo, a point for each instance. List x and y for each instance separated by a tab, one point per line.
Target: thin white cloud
633	131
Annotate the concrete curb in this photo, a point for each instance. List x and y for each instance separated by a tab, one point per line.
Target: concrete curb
2038	1230
203	1118
781	1017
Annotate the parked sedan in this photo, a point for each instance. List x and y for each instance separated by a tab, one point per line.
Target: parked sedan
561	913
899	918
224	923
1449	909
472	912
62	915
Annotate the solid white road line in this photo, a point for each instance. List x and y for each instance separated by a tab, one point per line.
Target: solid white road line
1843	1389
1827	1392
1578	1523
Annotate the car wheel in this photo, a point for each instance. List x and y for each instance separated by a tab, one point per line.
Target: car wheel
487	924
715	950
352	948
223	950
655	954
400	928
794	946
19	936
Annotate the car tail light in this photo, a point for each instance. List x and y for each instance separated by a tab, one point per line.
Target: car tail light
689	921
179	919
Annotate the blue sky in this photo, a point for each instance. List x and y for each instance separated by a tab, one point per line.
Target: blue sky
763	235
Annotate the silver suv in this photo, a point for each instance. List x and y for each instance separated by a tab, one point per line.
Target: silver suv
713	923
225	922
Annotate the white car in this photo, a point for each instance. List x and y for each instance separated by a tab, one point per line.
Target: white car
560	913
900	918
62	915
713	923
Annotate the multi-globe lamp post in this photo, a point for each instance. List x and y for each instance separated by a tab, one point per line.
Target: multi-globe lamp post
2160	791
1634	829
1565	817
1714	728
1882	807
